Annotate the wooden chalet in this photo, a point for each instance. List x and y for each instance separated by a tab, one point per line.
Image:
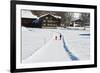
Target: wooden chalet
50	20
76	23
46	20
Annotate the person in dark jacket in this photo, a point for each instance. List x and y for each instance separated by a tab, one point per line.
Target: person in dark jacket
60	36
55	37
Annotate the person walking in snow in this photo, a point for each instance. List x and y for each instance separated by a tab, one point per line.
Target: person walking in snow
60	36
55	37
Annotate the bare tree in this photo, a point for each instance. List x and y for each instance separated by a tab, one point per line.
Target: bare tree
85	17
68	18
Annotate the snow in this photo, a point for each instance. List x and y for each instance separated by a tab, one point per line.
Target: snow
51	15
39	45
49	54
44	15
28	14
32	40
79	45
56	16
79	28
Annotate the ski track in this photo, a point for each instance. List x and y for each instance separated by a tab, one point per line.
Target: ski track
72	56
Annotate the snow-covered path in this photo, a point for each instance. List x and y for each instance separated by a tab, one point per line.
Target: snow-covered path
49	54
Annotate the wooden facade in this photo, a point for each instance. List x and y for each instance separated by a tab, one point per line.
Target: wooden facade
27	22
76	23
49	20
31	22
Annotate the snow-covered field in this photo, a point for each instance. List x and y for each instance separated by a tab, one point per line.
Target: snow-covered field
78	42
32	40
39	45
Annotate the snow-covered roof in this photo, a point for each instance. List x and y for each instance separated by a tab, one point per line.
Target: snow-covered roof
44	15
28	14
56	16
51	15
74	19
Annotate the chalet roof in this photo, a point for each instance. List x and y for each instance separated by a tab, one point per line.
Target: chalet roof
55	16
75	20
28	14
